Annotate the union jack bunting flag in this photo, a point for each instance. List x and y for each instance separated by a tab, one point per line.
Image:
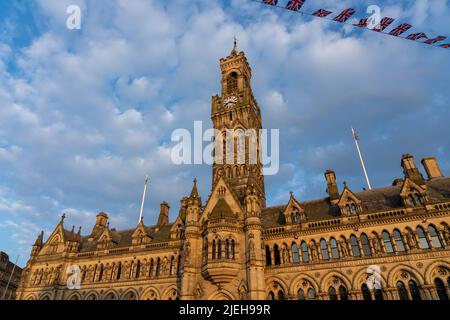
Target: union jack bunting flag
363	23
445	45
416	36
344	15
384	23
271	2
437	39
295	5
322	13
400	29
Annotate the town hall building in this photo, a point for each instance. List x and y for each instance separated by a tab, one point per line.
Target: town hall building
389	243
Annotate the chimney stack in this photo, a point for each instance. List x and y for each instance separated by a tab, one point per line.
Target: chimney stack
410	170
163	214
432	168
332	188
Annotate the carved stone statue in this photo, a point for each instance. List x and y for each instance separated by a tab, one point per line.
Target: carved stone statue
313	249
285	256
376	245
411	240
165	266
344	248
446	234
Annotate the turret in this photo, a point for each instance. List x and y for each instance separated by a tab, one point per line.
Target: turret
194	204
37	246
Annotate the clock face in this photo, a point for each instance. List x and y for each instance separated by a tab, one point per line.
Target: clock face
230	102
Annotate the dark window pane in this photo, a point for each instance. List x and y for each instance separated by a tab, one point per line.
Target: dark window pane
415	293
440	288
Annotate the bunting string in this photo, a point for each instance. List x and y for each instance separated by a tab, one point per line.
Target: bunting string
345	15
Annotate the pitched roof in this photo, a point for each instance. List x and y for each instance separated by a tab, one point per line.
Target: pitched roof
385	198
380	199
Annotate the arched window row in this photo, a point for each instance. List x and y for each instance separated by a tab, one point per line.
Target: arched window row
406	288
365	245
220	249
134	269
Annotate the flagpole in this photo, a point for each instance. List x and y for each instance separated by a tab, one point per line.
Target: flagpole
355	137
143	199
10	278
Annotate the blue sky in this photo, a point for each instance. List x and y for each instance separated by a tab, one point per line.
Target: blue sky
85	114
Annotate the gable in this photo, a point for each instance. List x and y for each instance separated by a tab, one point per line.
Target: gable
409	187
229	205
348	196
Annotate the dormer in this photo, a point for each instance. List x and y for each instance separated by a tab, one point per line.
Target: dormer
140	235
413	195
294	214
105	240
349	204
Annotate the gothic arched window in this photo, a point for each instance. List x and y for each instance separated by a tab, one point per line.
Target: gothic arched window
214	249
355	246
276	255
100	273
366	292
417	201
324	249
414	289
347	209
440	289
332	293
158	267
232	82
268	257
305	253
403	294
399	241
343	294
138	269
152	266
378	294
434	237
295	252
311	294
366	245
119	271
219	249
387	242
300	294
227	249
334	249
280	295
423	241
172	265
271	296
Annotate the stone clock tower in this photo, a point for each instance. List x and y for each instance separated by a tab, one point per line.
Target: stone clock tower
237	111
